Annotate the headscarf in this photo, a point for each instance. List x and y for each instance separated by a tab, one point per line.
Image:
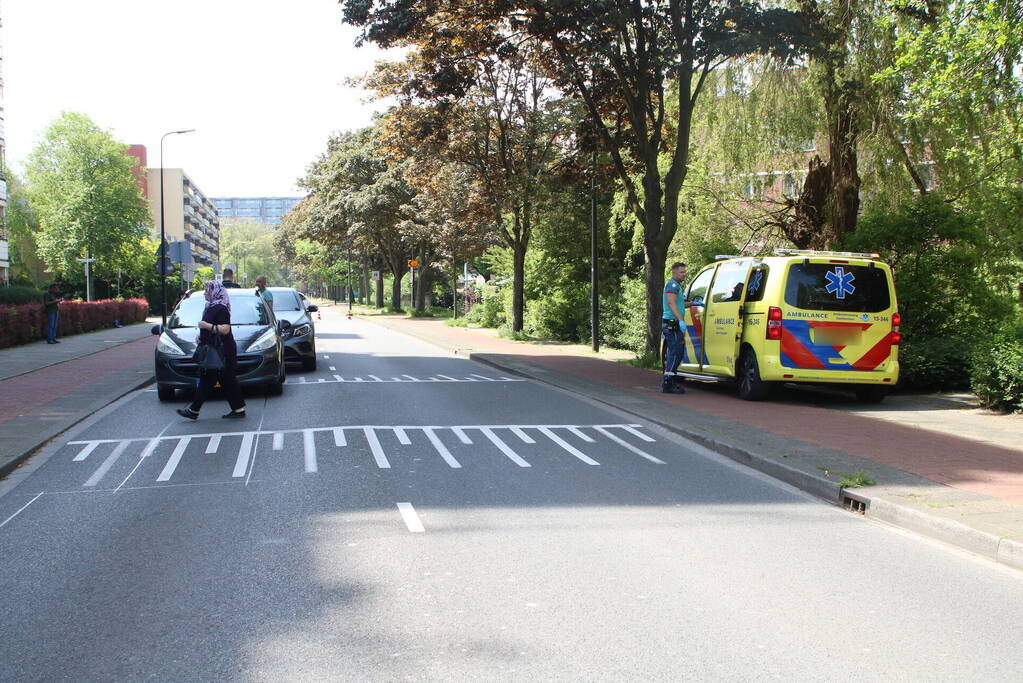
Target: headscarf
217	294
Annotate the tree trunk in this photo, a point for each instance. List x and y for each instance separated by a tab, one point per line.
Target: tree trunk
396	291
654	277
518	286
380	292
422	288
364	288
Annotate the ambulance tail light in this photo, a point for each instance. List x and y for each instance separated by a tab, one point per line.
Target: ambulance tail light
774	323
896	333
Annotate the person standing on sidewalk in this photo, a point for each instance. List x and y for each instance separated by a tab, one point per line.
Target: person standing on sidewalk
229	279
263	292
51	301
673	328
216	319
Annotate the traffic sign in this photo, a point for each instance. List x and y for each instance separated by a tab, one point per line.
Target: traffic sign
413	263
375	275
168	266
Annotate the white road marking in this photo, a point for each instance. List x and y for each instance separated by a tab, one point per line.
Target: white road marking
631	429
309	448
462	436
489	379
526	438
567	446
107	464
629	446
578	432
375	378
339	437
278	443
374	445
449	379
241	465
321	380
412	521
358	379
411	378
503	447
339	378
441	448
84	453
150	447
214	444
4	523
333	369
175	458
402	436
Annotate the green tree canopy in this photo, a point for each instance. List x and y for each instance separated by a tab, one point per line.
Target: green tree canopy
81	187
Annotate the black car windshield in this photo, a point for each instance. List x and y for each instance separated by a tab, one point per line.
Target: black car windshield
286	301
245	310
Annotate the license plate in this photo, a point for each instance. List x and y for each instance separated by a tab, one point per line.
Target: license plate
836	336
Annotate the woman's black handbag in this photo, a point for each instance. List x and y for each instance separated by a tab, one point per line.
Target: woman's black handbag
210	357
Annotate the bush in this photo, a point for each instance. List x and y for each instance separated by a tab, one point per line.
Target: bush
997	376
20	294
27	322
490	312
934	364
562	314
623	319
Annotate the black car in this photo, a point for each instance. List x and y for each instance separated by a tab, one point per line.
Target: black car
300	340
257	332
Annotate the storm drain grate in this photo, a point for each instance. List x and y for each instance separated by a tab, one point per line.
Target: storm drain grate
854	503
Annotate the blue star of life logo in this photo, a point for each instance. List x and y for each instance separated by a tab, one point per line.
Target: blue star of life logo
840	282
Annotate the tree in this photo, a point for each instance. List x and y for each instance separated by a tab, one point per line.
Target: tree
250	245
22	227
82	189
629	63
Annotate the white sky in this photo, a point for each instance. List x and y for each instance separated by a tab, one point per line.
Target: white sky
261	81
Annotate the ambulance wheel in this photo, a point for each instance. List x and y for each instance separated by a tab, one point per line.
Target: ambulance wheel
751	387
164	392
871	394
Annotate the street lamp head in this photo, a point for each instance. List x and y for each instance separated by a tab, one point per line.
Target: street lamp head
179	132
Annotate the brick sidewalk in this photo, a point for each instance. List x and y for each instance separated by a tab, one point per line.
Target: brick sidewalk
982	468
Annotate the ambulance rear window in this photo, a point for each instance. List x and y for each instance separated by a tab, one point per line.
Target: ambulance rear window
837	287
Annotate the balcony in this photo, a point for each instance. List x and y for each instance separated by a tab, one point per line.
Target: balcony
3	189
5	254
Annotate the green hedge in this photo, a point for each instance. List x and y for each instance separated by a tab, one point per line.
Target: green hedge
20	294
935	364
997	376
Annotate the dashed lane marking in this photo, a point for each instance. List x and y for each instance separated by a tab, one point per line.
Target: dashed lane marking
412	521
526	434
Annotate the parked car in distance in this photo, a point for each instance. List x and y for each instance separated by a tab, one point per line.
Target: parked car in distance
300	341
257	332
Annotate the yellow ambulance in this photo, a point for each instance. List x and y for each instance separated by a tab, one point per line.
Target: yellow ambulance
798	316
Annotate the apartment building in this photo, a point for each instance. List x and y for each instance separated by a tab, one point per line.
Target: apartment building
189	214
268	210
5	254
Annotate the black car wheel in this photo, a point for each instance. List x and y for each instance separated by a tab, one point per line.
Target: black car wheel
871	394
276	388
751	387
165	392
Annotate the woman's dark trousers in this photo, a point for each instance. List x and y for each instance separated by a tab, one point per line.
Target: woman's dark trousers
228	381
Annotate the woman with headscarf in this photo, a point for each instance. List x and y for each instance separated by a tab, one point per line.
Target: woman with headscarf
216	319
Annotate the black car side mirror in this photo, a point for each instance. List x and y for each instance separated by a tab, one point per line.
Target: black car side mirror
157	329
311	308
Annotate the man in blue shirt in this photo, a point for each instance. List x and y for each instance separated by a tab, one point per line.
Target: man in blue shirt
673	328
262	291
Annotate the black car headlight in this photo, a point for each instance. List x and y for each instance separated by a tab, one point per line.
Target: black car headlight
301	330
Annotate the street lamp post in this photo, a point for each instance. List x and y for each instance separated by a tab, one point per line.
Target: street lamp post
163	234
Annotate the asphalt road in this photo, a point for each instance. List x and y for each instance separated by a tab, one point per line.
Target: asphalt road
404	514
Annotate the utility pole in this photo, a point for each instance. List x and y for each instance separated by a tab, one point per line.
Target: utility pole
594	279
87	261
163	233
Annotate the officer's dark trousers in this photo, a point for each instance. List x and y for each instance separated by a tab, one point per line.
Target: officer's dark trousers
674	344
228	381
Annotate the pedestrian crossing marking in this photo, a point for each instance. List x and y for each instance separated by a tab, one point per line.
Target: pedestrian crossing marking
403	379
404	434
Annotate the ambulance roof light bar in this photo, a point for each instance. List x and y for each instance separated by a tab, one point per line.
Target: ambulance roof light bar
811	252
723	257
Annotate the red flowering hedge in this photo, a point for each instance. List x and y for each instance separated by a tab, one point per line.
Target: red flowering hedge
27	322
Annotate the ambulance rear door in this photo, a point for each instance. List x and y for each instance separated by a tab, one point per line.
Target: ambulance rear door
723	326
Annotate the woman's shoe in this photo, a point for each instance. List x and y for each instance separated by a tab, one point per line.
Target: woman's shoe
186	412
234	415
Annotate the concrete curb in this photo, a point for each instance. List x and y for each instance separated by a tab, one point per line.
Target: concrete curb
9	463
883	504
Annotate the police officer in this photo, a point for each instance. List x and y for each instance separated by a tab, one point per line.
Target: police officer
673	328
